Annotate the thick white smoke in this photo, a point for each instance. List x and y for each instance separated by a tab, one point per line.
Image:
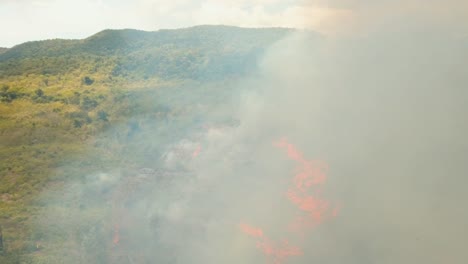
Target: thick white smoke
385	110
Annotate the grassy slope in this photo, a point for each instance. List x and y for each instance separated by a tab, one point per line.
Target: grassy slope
58	96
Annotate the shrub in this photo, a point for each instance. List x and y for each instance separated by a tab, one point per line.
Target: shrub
88	81
102	115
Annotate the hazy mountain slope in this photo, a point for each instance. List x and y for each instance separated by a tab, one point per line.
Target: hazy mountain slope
70	108
198	52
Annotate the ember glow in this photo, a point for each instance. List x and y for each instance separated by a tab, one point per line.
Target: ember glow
305	193
116	238
196	152
276	252
251	231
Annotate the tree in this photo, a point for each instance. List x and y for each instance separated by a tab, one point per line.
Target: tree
77	123
39	92
1	240
88	81
88	103
102	115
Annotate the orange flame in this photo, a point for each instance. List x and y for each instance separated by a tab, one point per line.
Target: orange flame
116	238
196	152
251	231
306	188
276	253
305	195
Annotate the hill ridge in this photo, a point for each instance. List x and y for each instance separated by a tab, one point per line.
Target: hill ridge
194	52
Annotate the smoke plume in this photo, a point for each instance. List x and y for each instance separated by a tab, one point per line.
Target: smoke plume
346	149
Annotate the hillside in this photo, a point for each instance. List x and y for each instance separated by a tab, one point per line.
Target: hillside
199	53
113	101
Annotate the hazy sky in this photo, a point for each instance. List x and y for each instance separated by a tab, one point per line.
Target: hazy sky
25	20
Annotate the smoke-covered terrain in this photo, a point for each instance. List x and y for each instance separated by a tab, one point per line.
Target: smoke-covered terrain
328	150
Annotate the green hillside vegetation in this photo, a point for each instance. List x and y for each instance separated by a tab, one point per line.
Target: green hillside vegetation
70	108
204	52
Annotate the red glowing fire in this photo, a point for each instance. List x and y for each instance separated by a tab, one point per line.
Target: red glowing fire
276	252
196	152
116	238
305	193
